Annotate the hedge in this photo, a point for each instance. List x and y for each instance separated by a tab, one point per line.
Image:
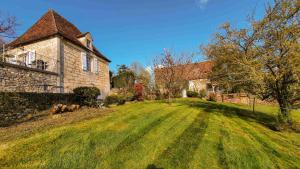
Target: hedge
15	106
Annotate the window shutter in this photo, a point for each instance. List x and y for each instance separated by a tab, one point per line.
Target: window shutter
31	57
27	59
84	60
96	65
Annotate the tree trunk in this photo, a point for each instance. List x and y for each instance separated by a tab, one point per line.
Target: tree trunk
169	97
284	116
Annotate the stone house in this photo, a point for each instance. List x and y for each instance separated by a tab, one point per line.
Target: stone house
54	54
196	75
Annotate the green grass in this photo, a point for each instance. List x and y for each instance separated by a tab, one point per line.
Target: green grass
187	134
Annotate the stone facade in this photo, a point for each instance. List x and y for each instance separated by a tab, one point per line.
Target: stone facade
75	76
46	50
63	59
198	85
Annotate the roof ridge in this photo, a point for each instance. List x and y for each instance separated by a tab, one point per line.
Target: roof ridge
55	15
54	19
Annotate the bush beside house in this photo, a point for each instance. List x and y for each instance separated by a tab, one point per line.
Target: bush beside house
87	96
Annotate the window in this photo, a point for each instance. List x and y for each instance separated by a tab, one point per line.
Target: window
88	43
24	59
86	61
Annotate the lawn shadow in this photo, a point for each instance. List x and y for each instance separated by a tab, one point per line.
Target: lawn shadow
263	118
152	166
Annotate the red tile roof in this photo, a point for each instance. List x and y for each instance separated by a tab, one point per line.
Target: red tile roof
194	71
51	24
200	70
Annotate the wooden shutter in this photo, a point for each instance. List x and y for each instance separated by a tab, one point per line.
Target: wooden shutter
27	58
30	57
96	65
84	60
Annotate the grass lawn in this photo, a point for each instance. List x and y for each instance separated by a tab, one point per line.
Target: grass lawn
188	134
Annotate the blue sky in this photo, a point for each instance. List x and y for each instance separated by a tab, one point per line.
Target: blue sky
138	30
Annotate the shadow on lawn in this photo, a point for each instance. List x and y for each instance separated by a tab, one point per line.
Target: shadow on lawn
265	119
152	166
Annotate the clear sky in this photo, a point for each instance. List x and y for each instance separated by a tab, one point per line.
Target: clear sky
137	30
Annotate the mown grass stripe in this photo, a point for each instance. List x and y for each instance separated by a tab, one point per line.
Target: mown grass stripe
180	153
270	147
134	137
146	148
221	151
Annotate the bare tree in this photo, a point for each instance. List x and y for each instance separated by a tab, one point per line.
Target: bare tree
7	29
7	25
170	72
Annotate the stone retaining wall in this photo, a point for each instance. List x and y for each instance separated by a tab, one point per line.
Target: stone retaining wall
16	78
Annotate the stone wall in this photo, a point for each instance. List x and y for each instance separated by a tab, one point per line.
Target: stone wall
15	78
242	98
75	76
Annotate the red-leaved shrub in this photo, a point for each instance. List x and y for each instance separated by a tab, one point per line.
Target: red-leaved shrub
139	92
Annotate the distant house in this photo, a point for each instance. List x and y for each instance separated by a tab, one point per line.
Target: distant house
196	75
55	54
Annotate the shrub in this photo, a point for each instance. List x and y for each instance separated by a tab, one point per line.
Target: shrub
114	99
121	101
158	95
192	94
202	93
212	97
86	96
139	92
129	96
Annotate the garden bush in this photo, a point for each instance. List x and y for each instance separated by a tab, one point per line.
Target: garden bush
86	96
129	97
202	93
114	99
192	94
139	92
